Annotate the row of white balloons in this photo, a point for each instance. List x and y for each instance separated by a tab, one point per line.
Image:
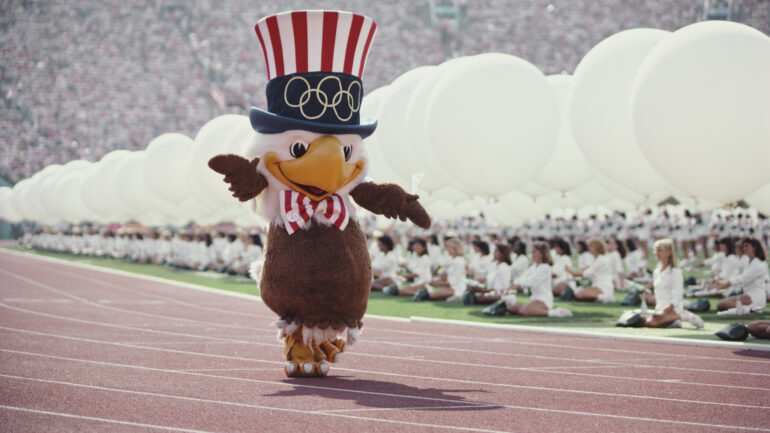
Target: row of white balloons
168	183
647	114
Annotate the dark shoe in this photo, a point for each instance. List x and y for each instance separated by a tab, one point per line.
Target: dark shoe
567	294
632	299
469	298
391	290
629	319
734	332
421	295
698	306
499	308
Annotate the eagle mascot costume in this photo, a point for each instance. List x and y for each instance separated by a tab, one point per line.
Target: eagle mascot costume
307	162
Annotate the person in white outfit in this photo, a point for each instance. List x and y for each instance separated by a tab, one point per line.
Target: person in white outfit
519	260
754	281
498	279
616	251
538	279
562	261
668	283
385	264
452	282
585	258
419	268
600	273
635	261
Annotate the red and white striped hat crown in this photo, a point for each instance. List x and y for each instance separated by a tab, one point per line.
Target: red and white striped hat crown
315	40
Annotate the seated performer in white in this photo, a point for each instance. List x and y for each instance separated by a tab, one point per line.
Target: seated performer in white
538	279
562	261
668	283
600	273
452	282
498	279
385	265
754	281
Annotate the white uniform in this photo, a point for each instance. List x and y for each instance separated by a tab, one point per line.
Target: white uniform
731	267
754	281
617	267
538	279
420	265
519	266
600	273
499	277
636	262
387	264
669	288
585	259
455	274
715	262
559	263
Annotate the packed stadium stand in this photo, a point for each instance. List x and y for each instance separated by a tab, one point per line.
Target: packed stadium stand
81	78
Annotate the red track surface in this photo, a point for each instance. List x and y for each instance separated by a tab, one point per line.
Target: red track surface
86	350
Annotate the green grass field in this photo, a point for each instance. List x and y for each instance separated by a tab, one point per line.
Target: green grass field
590	317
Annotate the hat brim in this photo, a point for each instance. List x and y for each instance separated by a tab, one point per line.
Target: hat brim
266	122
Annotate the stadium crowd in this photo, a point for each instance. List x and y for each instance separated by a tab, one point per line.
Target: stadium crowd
84	78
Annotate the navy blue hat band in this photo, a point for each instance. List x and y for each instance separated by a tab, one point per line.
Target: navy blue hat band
322	97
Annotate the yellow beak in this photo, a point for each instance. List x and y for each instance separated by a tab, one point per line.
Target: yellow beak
320	172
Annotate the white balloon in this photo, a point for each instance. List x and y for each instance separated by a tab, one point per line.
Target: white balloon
164	166
379	169
592	192
534	189
392	132
599	108
70	201
567	168
760	199
497	213
19	189
132	188
701	112
493	122
418	131
32	195
203	183
8	210
99	189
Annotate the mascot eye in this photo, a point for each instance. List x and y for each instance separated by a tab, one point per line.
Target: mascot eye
298	149
348	150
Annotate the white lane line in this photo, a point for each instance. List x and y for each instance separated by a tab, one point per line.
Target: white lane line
104	420
274	345
244	405
65	263
37	300
477	383
122	310
526	408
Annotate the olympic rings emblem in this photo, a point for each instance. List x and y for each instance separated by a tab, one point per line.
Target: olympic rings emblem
323	99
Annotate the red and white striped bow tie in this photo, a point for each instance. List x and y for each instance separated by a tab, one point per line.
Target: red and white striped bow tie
297	209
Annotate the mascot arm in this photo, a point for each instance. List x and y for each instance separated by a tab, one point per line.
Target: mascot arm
392	201
245	182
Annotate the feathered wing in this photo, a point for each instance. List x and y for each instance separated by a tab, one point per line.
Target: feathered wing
392	201
245	182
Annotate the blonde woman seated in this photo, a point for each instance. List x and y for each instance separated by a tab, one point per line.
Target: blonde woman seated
600	273
498	279
668	283
538	279
753	280
452	283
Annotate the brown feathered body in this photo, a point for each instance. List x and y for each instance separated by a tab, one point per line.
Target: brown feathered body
318	277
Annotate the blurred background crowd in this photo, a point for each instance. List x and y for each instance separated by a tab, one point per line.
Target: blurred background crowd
80	79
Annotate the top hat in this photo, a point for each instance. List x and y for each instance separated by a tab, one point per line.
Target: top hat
315	61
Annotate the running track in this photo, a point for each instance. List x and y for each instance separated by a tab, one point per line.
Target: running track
87	350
